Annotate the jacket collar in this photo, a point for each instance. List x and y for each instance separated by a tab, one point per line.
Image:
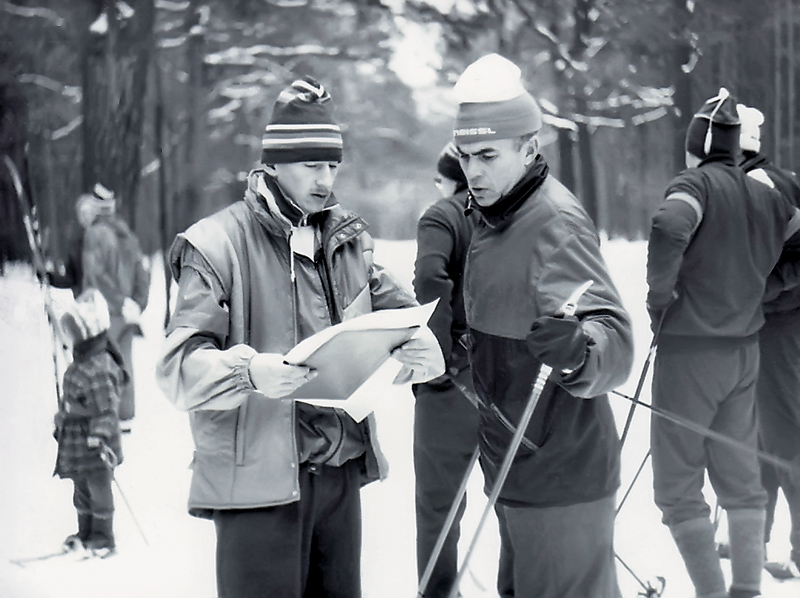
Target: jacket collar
499	212
265	199
752	160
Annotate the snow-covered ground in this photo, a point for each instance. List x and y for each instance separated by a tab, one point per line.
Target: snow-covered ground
162	552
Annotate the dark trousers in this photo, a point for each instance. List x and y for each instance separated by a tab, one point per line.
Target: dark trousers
715	388
564	552
778	406
92	494
306	549
445	436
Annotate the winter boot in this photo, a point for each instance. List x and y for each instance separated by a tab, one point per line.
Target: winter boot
746	534
695	542
76	541
101	542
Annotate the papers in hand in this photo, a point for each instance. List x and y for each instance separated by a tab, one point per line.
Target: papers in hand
350	354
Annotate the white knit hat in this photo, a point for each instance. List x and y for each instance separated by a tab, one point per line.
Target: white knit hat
86	317
493	103
750	136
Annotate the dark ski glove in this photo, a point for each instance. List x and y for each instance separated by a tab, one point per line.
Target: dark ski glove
558	341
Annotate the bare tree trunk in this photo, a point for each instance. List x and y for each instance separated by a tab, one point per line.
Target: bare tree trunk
682	56
116	58
588	185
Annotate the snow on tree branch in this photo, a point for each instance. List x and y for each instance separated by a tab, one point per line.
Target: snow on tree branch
72	92
42	13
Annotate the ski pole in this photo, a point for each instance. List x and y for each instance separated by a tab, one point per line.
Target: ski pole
37	255
791	467
643	376
568	309
110	459
448	523
633	482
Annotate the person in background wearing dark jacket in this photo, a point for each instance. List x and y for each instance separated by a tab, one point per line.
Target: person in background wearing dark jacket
445	418
87	422
533	248
778	389
281	479
713	242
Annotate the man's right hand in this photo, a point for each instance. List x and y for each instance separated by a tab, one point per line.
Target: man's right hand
275	378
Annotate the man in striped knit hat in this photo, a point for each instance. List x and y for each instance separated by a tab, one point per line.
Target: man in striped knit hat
280	478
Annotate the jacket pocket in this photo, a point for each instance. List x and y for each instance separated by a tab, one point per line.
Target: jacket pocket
239	438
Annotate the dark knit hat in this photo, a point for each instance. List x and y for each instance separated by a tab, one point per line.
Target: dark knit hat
493	103
714	129
449	166
302	128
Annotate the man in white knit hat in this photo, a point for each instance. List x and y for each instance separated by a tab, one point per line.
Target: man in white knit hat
535	245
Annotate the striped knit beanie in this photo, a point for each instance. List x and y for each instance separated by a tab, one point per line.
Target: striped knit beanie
302	128
86	317
493	103
715	127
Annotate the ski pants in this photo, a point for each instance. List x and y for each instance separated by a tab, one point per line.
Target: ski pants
306	549
92	494
778	406
564	552
715	388
445	436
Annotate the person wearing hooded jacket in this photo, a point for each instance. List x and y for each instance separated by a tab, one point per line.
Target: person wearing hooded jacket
778	388
532	249
713	242
280	479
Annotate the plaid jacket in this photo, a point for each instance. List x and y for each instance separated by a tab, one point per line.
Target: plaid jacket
90	407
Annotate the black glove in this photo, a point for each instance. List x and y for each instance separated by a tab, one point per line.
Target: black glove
558	341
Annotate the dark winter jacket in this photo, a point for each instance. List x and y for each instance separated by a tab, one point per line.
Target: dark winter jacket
782	300
714	210
89	407
443	235
533	248
243	291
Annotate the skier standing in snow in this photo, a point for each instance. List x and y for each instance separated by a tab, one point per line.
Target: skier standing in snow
280	479
712	245
778	389
445	421
534	246
87	422
112	262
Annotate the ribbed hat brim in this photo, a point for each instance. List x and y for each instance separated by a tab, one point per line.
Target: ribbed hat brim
497	120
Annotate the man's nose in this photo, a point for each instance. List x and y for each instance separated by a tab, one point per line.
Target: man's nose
472	170
325	176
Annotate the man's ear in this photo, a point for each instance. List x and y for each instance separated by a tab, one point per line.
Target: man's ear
531	149
270	170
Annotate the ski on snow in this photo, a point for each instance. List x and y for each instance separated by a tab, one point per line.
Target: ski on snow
72	556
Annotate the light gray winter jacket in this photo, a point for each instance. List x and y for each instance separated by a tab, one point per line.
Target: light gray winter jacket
234	271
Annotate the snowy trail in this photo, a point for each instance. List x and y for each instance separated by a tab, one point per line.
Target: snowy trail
177	561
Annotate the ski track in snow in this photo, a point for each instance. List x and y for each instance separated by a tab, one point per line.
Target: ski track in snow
173	554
